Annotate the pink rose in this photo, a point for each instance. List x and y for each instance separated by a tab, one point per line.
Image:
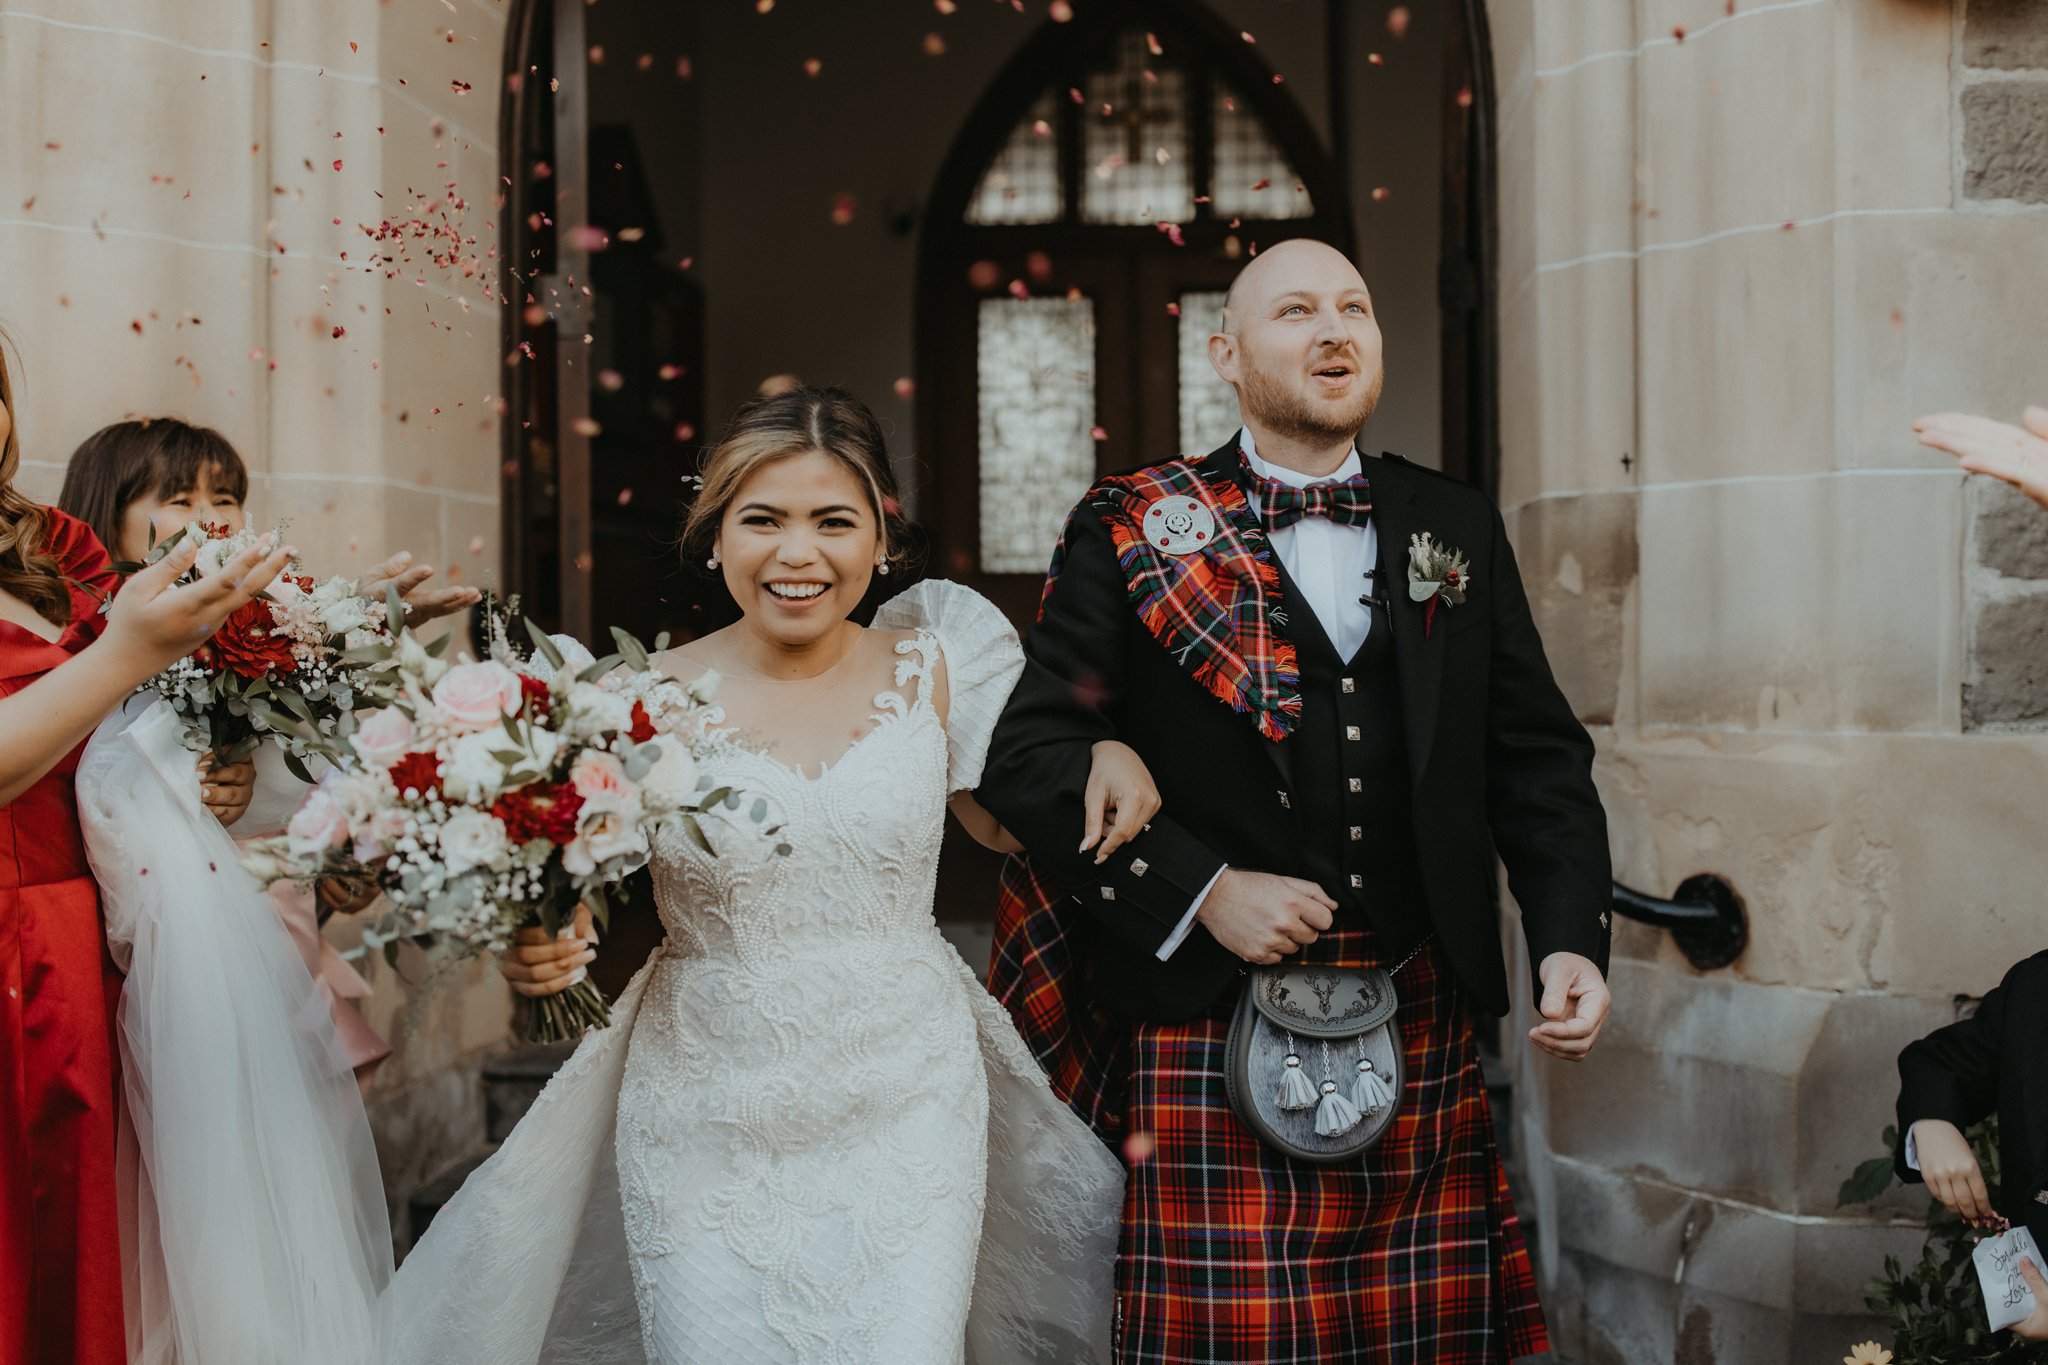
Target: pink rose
385	737
475	696
600	779
603	837
317	825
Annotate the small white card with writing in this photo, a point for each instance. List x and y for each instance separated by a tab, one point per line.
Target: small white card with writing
2006	1296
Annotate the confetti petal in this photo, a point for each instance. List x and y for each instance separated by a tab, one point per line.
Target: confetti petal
1398	19
586	426
905	387
842	209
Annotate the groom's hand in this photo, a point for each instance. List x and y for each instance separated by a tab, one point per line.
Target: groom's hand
1262	917
1575	1005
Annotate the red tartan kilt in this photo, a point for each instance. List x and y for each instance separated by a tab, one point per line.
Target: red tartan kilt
1232	1252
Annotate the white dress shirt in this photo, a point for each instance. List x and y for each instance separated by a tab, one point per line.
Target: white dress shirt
1331	563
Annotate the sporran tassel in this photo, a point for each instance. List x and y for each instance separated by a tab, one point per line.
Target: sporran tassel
1335	1116
1296	1090
1370	1092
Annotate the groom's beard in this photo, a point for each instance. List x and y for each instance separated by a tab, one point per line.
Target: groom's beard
1287	412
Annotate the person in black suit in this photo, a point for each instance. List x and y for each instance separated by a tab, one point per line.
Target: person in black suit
1995	1061
1345	723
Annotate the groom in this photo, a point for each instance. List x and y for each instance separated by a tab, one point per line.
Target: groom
1340	758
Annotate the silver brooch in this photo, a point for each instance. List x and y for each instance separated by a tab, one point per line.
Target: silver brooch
1180	526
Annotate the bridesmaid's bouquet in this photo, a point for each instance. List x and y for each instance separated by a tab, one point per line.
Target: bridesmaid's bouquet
484	797
288	665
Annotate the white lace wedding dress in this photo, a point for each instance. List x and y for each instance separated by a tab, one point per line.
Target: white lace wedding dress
809	1134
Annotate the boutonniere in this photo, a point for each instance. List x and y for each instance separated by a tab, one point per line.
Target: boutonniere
1436	573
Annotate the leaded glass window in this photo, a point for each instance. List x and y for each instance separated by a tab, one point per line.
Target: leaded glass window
1022	185
1035	371
1208	406
1252	178
1136	165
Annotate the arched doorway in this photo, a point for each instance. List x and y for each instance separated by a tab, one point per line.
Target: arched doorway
1076	244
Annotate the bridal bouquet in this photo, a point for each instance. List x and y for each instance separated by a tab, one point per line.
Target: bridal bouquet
494	795
287	665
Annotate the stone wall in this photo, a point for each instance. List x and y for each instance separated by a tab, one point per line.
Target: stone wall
1743	246
187	188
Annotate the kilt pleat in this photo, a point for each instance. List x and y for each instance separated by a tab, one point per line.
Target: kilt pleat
1234	1253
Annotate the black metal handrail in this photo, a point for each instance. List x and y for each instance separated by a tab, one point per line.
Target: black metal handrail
1705	916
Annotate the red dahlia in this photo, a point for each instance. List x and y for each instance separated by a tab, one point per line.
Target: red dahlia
419	772
538	695
246	643
643	726
543	810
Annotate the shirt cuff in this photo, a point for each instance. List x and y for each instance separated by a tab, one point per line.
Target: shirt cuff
1912	1152
1187	921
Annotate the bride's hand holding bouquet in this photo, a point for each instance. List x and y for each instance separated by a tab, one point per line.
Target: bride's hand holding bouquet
491	797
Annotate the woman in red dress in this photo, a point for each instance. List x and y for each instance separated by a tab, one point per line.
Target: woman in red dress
63	667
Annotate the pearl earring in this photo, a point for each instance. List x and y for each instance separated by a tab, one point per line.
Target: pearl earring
882	567
712	562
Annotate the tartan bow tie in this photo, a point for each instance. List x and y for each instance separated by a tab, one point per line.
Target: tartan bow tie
1281	504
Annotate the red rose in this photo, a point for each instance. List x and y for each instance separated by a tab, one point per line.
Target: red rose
418	771
643	727
544	810
246	643
538	695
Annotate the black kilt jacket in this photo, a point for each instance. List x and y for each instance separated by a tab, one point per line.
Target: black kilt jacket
1489	759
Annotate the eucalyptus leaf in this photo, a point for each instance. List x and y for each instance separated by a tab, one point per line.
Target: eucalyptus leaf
298	768
695	832
394	609
634	652
544	645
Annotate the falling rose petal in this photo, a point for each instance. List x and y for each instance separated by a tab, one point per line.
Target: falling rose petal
683	68
1152	45
644	62
669	372
842	209
1397	21
534	315
136	326
338	333
596	54
1898	317
456	87
905	387
944	6
763	6
685	432
1038	266
353	48
1678	32
632	234
1139	1147
1731	9
812	66
1375	59
1173	310
1263	183
625	496
1040	128
1061	12
476	545
582	426
1246	35
1098	433
1019	290
1464	97
589	237
1380	193
611	381
983	274
934	45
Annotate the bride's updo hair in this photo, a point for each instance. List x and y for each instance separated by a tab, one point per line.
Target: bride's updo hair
796	422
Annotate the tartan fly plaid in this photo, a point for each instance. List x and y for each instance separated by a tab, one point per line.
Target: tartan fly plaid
1233	1253
1211	610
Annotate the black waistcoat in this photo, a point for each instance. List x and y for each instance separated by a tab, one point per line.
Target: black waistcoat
1352	792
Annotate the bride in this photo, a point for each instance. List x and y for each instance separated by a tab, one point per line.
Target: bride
809	1135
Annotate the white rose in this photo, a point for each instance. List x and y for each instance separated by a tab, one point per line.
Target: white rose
471	838
316	826
471	773
593	711
359	799
575	658
385	737
476	696
672	781
604	836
